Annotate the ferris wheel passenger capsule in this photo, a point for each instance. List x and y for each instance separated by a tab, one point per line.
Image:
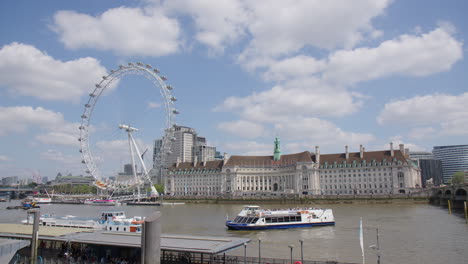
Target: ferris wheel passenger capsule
173	99
169	87
148	66
98	85
164	78
92	95
130	64
87	105
84	116
175	111
139	64
121	66
156	70
83	161
81	127
104	77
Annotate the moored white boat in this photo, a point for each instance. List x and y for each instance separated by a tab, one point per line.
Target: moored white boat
42	200
106	202
114	221
251	217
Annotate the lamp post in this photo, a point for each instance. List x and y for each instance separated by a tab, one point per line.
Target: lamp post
259	251
245	253
302	252
377	247
291	247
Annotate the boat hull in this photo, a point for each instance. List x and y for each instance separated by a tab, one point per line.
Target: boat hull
234	226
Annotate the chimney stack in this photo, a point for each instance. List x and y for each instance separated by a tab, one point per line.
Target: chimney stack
361	152
347	153
402	149
392	153
317	155
195	160
225	158
177	162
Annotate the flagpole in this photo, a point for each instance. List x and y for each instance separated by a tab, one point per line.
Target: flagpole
361	240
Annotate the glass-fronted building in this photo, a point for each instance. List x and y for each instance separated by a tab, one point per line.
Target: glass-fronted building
454	158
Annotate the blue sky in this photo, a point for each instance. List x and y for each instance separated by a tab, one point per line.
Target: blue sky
327	73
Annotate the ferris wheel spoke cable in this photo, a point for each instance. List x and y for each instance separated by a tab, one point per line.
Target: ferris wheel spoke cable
158	81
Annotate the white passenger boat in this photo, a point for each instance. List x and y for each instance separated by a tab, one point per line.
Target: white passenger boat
251	217
105	202
42	200
114	221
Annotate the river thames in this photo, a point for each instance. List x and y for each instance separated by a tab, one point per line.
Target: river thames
408	233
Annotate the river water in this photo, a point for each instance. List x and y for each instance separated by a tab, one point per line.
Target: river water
408	233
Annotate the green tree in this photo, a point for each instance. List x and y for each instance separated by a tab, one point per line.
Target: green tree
32	185
159	188
458	178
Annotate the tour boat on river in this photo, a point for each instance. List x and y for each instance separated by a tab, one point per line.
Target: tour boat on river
251	217
114	221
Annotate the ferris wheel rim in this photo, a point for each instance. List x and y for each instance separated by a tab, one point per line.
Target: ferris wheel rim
158	81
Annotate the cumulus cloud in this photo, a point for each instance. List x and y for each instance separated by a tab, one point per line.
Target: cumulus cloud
4	158
249	148
47	78
218	23
126	31
408	55
448	112
282	27
53	129
243	128
314	131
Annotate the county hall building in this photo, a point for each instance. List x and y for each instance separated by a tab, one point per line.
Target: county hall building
361	173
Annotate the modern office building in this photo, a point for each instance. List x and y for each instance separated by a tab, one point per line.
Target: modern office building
10	181
360	173
431	169
417	155
204	153
186	147
454	158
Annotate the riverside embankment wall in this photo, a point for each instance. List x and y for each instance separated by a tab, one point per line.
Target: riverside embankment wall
335	199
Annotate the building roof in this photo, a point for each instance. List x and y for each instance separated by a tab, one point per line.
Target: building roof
181	243
368	156
289	159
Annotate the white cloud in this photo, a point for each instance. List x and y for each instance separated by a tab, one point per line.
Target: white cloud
152	105
408	55
313	131
447	112
18	119
285	26
70	161
243	128
249	148
47	78
303	97
397	140
126	31
53	128
4	158
422	133
218	23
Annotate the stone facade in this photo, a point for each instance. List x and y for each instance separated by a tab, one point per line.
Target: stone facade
375	172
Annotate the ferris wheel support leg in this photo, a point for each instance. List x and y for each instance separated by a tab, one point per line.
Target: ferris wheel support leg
139	155
133	162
